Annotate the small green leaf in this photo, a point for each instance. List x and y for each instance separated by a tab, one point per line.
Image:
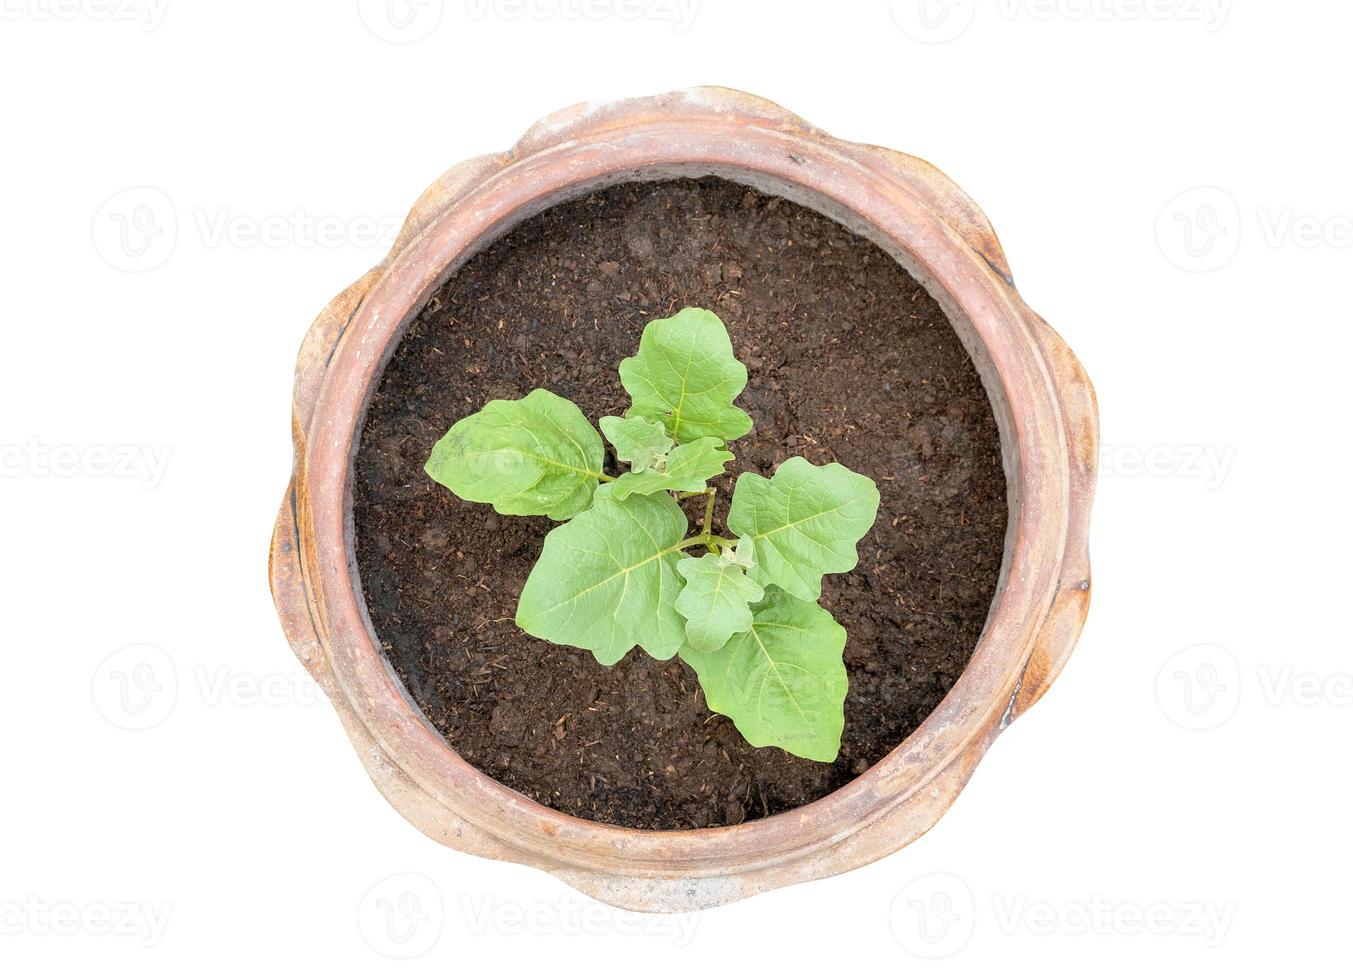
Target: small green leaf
686	468
607	579
805	522
742	554
637	441
535	455
783	681
686	374
715	600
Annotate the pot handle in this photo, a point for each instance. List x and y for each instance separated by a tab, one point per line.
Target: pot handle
287	580
286	555
1080	415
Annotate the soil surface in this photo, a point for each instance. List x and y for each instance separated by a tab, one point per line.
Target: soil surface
849	360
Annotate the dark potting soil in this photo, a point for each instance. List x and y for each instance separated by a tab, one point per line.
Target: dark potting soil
849	360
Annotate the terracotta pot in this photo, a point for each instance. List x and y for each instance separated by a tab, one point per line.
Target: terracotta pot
1044	407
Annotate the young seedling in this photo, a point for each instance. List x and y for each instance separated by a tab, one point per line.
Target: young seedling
625	570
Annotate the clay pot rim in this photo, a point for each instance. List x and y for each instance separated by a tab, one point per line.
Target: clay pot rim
979	303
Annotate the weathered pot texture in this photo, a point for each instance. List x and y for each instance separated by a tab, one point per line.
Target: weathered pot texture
1044	407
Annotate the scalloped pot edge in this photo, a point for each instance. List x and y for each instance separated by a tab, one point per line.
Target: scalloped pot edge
1044	407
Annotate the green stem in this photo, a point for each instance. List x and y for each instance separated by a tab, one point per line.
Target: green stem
711	541
605	479
709	512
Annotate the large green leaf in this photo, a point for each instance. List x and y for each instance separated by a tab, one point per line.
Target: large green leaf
637	441
535	455
716	600
607	579
783	681
687	375
686	468
805	522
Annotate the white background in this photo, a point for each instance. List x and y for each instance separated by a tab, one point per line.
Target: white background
1160	812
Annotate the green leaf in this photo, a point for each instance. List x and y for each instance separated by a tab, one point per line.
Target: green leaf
686	468
637	441
741	554
607	579
783	681
535	455
805	522
715	600
686	374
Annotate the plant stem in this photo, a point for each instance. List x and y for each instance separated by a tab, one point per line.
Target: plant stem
711	541
605	479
